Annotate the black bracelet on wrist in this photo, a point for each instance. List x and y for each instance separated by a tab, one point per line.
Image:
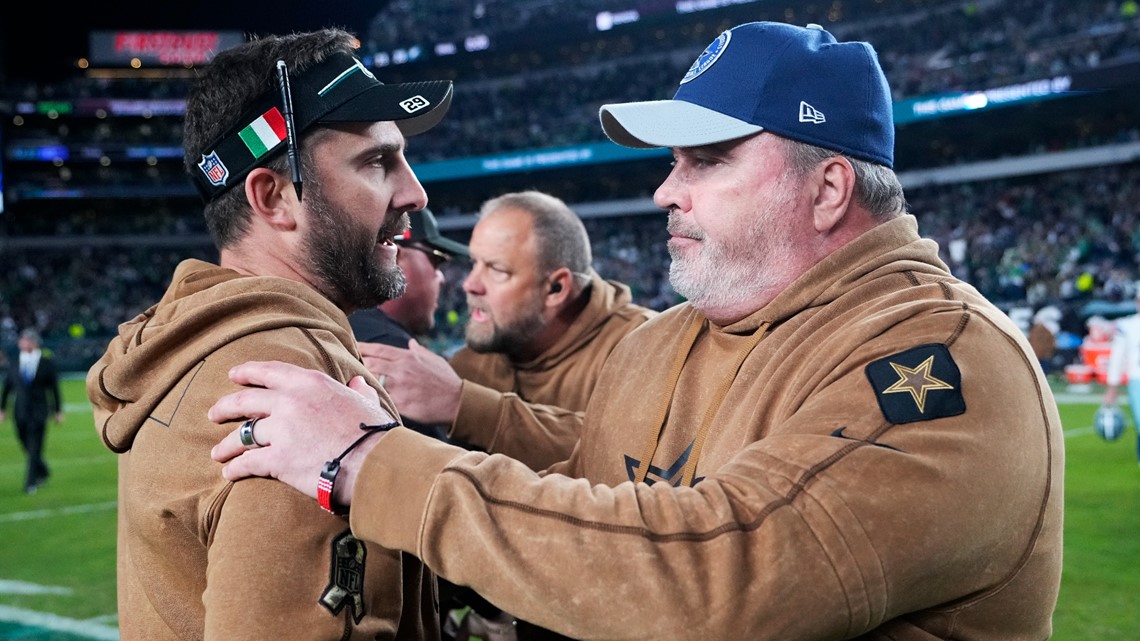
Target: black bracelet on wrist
331	469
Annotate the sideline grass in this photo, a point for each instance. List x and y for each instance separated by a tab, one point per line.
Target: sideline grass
1100	580
64	536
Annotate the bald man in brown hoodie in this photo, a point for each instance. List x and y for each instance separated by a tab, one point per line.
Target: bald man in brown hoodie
542	323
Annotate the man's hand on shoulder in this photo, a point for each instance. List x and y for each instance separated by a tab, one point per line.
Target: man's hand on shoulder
304	419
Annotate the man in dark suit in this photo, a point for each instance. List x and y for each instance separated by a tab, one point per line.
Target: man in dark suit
35	381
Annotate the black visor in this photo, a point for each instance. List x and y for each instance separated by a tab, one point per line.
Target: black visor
339	89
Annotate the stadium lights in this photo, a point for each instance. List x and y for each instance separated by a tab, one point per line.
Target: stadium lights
919	108
607	20
477	42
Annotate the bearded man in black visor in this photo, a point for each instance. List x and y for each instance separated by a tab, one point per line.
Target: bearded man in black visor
298	152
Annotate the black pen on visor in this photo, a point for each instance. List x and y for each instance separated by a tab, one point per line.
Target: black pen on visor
290	131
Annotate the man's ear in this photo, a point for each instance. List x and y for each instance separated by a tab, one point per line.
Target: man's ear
835	184
272	198
558	289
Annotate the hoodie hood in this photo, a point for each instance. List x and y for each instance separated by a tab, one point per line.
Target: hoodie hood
205	307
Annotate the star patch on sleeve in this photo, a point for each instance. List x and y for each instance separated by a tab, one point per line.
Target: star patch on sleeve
919	384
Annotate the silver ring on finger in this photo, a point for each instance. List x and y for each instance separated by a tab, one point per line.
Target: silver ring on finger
245	433
383	379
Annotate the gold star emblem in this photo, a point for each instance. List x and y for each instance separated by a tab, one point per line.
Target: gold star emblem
917	382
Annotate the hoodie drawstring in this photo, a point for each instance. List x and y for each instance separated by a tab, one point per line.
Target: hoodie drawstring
653	437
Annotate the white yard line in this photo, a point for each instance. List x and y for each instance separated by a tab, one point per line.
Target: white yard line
1070	398
23	587
86	629
58	511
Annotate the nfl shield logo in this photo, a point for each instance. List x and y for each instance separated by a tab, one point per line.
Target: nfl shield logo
212	166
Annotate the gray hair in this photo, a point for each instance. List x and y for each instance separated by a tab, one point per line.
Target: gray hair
877	188
31	335
560	236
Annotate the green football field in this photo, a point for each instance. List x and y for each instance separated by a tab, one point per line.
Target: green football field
57	547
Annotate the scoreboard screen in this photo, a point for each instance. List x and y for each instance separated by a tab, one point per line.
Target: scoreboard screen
164	48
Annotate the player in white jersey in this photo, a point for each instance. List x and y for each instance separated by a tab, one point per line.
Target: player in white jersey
1124	366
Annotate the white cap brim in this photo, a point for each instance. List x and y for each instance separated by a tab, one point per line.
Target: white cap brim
670	123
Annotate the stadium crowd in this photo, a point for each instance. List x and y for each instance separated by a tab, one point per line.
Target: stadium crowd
1062	238
547	96
997	44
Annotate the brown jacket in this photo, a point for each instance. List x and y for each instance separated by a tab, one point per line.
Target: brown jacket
541	402
886	464
202	558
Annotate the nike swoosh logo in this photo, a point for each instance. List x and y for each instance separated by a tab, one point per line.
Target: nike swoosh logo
839	433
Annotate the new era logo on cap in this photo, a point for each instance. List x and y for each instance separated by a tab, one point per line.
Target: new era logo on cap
810	114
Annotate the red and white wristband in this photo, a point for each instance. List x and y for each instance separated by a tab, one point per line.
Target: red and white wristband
327	481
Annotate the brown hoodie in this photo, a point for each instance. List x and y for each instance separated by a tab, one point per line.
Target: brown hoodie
885	464
202	558
541	402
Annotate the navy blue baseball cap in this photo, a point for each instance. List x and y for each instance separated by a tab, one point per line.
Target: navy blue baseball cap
796	82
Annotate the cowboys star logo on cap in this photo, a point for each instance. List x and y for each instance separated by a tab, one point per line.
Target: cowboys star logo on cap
919	384
708	56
